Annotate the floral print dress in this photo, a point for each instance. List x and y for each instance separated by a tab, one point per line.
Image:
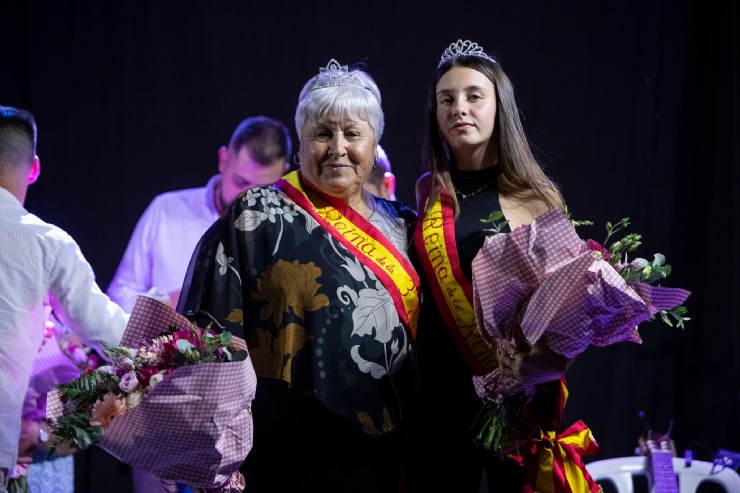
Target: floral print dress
332	356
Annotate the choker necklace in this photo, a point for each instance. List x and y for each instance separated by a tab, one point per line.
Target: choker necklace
463	196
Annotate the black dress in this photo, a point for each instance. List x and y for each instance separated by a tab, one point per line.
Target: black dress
440	450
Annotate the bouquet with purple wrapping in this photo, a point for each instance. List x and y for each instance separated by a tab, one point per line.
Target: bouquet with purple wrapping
543	283
175	401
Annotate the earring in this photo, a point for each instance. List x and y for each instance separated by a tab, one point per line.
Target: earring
296	159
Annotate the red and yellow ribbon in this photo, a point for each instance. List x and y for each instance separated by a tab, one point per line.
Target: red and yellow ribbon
554	463
453	292
363	240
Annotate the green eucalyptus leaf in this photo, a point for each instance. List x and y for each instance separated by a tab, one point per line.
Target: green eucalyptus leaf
494	216
83	439
681	310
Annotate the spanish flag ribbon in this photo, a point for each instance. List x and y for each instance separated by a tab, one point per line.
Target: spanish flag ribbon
555	464
435	243
365	241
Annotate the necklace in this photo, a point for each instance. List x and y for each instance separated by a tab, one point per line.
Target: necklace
464	196
372	198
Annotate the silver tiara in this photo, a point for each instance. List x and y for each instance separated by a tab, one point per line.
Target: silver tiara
335	75
466	48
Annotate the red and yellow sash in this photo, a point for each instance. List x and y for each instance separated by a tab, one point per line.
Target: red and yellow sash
453	292
553	461
365	241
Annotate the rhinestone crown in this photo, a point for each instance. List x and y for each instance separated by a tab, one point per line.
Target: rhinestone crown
335	75
466	48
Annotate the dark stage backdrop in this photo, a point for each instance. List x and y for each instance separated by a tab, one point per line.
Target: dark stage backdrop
632	105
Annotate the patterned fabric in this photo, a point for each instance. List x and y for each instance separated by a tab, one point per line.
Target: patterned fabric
52	476
313	315
192	427
539	278
51	367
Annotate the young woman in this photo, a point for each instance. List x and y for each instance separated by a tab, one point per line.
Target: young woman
479	161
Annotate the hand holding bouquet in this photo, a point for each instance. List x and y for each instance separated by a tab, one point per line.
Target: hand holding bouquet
543	284
174	400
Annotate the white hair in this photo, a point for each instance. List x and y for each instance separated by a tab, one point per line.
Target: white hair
342	100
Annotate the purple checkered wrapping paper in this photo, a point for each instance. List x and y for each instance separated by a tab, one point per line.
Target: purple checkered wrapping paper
537	278
195	426
51	367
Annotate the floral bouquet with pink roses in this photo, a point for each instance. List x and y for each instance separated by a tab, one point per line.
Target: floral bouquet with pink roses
174	400
543	283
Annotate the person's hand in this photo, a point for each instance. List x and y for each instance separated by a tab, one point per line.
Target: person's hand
61	449
174	298
158	295
528	368
29	441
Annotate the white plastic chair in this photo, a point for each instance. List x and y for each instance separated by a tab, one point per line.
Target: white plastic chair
620	472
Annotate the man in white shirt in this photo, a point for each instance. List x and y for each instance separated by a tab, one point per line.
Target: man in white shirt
41	266
159	251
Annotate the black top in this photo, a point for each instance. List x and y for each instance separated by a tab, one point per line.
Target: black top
448	404
477	194
442	370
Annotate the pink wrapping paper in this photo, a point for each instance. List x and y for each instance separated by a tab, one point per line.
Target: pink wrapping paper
538	283
195	426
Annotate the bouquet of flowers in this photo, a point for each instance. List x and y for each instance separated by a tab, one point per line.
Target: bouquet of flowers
543	283
174	400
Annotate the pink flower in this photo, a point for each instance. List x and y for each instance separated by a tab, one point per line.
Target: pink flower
146	373
19	470
105	410
91	363
128	382
235	484
78	354
595	246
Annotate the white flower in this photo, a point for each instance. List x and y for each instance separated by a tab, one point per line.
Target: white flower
155	379
133	399
638	264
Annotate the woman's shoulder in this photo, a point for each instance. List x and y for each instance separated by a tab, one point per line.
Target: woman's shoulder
522	207
397	208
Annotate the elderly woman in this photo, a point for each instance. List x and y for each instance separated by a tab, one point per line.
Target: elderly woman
312	271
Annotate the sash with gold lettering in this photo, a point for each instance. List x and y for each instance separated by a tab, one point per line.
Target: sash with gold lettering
453	292
365	241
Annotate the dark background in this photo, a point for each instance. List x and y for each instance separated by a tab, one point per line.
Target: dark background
632	107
